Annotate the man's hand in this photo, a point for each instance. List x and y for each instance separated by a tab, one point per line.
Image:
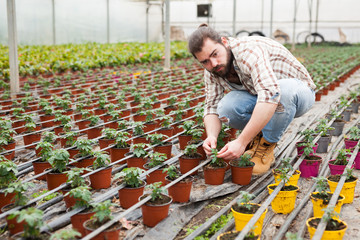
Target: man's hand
209	143
232	150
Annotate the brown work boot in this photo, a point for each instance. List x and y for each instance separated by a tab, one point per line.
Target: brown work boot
254	145
263	157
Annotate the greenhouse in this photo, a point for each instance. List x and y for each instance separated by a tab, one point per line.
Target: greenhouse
179	119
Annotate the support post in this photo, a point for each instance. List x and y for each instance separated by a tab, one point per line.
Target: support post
108	21
167	35
13	53
234	19
53	22
294	27
271	19
147	20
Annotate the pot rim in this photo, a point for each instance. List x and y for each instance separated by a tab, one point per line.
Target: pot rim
106	230
153	205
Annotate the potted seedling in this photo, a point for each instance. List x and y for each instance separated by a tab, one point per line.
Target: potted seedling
48	137
139	153
243	210
82	150
157	208
101	179
171	102
74	180
309	167
180	192
186	136
94	130
31	135
284	202
335	228
103	215
44	154
20	199
32	219
348	189
287	167
138	133
241	169
47	117
161	146
155	159
7	142
321	198
134	186
190	159
214	172
58	160
121	147
338	165
108	138
325	138
307	141
165	126
352	137
8	171
67	139
63	123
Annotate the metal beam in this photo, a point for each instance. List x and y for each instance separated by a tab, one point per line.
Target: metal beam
13	53
234	19
108	21
53	22
167	35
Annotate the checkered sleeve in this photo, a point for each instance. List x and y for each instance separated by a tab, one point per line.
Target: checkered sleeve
214	93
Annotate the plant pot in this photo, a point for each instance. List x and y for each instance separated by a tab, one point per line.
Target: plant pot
284	202
166	131
187	163
54	180
5	200
101	179
156	176
47	121
346	115
40	167
69	200
73	152
153	214
293	180
232	236
180	192
336	169
241	219
84	163
347	191
300	150
355	107
323	144
150	126
349	144
12	225
118	153
30	139
8	147
183	140
104	143
164	149
214	176
94	132
130	196
78	220
140	139
18	126
135	162
339	127
240	175
327	235
319	204
310	167
111	233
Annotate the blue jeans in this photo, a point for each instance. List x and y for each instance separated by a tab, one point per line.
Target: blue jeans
296	98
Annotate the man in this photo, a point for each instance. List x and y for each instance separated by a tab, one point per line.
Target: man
268	88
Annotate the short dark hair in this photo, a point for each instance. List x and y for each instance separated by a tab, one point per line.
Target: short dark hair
196	39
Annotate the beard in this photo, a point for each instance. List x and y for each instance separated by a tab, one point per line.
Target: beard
225	68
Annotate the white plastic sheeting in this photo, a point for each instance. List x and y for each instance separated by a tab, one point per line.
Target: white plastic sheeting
78	21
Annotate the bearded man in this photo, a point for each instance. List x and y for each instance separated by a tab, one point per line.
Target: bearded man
267	88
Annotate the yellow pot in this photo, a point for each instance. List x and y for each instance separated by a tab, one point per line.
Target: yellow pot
328	235
241	219
284	202
293	180
319	205
347	191
225	234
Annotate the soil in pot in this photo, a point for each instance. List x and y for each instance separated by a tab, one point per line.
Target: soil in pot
155	211
348	189
242	216
331	232
321	201
112	233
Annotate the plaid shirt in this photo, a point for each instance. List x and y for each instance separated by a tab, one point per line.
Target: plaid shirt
259	62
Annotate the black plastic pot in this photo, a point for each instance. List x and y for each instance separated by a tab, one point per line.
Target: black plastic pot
339	127
323	144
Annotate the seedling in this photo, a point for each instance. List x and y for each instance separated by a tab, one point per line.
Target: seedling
66	234
157	191
19	188
48	137
187	126
33	219
8	171
354	134
308	135
70	138
101	160
341	158
322	187
323	128
109	133
156	159
349	174
121	140
102	212
46	150
82	196
165	121
94	120
156	139
46	198
215	161
245	199
131	176
172	172
330	214
84	146
59	159
139	149
191	151
285	164
244	161
74	177
138	128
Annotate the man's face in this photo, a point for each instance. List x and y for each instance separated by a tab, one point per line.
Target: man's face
215	58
